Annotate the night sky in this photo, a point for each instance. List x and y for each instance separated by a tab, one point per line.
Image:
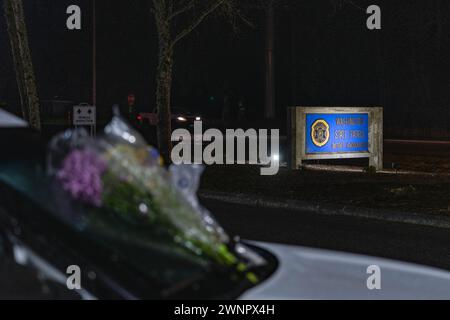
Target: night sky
325	55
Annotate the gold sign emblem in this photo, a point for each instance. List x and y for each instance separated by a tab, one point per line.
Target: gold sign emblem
320	133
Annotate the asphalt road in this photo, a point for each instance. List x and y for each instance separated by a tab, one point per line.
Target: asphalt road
417	147
411	243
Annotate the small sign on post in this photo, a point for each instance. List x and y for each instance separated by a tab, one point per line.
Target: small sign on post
85	115
336	133
131	100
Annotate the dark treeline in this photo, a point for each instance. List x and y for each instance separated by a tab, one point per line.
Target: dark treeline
324	53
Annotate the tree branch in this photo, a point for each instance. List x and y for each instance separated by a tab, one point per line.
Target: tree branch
197	21
189	5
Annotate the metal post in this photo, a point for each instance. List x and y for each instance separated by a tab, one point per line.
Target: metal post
270	73
94	57
293	17
94	66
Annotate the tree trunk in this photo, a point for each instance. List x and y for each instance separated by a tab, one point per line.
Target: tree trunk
25	77
163	99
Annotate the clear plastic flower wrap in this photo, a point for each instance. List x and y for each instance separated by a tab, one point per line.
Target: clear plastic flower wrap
120	174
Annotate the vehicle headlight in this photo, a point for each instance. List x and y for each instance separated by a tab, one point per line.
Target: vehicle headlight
198	118
182	119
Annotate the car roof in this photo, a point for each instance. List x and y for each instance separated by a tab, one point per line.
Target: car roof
8	120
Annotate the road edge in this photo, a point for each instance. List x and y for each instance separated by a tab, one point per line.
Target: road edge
437	221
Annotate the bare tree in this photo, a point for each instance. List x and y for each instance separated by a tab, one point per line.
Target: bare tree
175	20
25	76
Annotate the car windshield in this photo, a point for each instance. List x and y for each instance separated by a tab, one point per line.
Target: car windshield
28	182
30	196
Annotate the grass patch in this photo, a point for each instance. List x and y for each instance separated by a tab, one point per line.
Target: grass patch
380	191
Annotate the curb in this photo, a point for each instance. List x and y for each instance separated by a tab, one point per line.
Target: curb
349	169
437	221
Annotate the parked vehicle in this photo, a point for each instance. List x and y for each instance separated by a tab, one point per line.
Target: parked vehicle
181	118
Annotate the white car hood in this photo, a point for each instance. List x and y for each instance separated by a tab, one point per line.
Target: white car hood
306	273
7	120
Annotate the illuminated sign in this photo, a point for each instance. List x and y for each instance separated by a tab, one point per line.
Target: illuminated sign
331	133
335	133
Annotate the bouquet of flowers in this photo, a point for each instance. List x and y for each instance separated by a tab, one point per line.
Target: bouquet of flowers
120	174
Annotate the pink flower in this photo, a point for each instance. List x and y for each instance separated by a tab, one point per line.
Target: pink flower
81	176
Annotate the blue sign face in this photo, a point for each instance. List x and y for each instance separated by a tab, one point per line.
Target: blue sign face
337	133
